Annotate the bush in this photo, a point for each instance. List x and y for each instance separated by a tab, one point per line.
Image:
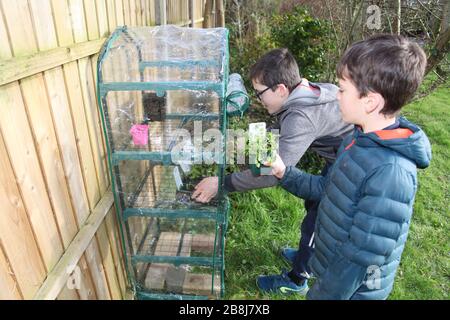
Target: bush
306	38
311	162
243	55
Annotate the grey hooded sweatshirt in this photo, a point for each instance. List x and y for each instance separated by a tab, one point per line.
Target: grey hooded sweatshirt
308	119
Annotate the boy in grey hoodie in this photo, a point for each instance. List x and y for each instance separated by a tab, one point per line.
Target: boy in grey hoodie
308	117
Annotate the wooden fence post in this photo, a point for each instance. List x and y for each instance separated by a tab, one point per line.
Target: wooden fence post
161	12
192	13
220	14
207	13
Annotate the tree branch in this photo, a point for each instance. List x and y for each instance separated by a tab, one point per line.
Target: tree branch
429	11
355	18
439	51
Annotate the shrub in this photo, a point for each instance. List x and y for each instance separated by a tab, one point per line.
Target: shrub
307	39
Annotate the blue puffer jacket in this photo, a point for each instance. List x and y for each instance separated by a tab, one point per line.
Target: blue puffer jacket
365	211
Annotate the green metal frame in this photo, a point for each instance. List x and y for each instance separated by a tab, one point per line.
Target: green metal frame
219	214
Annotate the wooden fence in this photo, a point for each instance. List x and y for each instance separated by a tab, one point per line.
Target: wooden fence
58	227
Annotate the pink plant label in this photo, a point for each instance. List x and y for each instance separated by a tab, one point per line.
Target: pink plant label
139	132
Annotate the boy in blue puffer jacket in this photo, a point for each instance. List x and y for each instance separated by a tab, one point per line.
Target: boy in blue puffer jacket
367	197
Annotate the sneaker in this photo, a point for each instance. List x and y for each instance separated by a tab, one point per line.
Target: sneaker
280	284
289	254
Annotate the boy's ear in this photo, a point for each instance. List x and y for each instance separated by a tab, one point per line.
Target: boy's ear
374	102
283	90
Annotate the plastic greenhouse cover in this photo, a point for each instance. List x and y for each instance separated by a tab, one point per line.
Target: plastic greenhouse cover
166	53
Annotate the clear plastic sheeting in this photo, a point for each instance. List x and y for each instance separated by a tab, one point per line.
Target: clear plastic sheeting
188	237
237	98
142	120
163	91
167	53
146	185
178	256
180	281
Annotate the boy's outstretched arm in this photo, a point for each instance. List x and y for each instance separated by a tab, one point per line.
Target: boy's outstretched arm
379	226
297	182
296	135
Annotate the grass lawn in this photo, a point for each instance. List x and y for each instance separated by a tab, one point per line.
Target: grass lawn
264	221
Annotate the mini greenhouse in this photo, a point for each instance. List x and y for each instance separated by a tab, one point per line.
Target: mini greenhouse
162	90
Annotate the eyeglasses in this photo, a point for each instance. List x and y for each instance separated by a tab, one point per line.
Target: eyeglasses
260	93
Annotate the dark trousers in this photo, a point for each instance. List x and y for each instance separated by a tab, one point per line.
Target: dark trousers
306	245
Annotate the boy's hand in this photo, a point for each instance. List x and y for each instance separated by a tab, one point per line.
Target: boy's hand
206	190
278	167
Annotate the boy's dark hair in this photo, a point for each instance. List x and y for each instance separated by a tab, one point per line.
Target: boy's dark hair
277	66
390	65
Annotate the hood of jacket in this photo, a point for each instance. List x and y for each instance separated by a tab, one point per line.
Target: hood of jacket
308	94
409	140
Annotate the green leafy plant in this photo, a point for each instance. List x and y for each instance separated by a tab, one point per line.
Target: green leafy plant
262	146
307	39
266	148
199	171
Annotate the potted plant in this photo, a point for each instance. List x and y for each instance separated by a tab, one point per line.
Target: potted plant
262	148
